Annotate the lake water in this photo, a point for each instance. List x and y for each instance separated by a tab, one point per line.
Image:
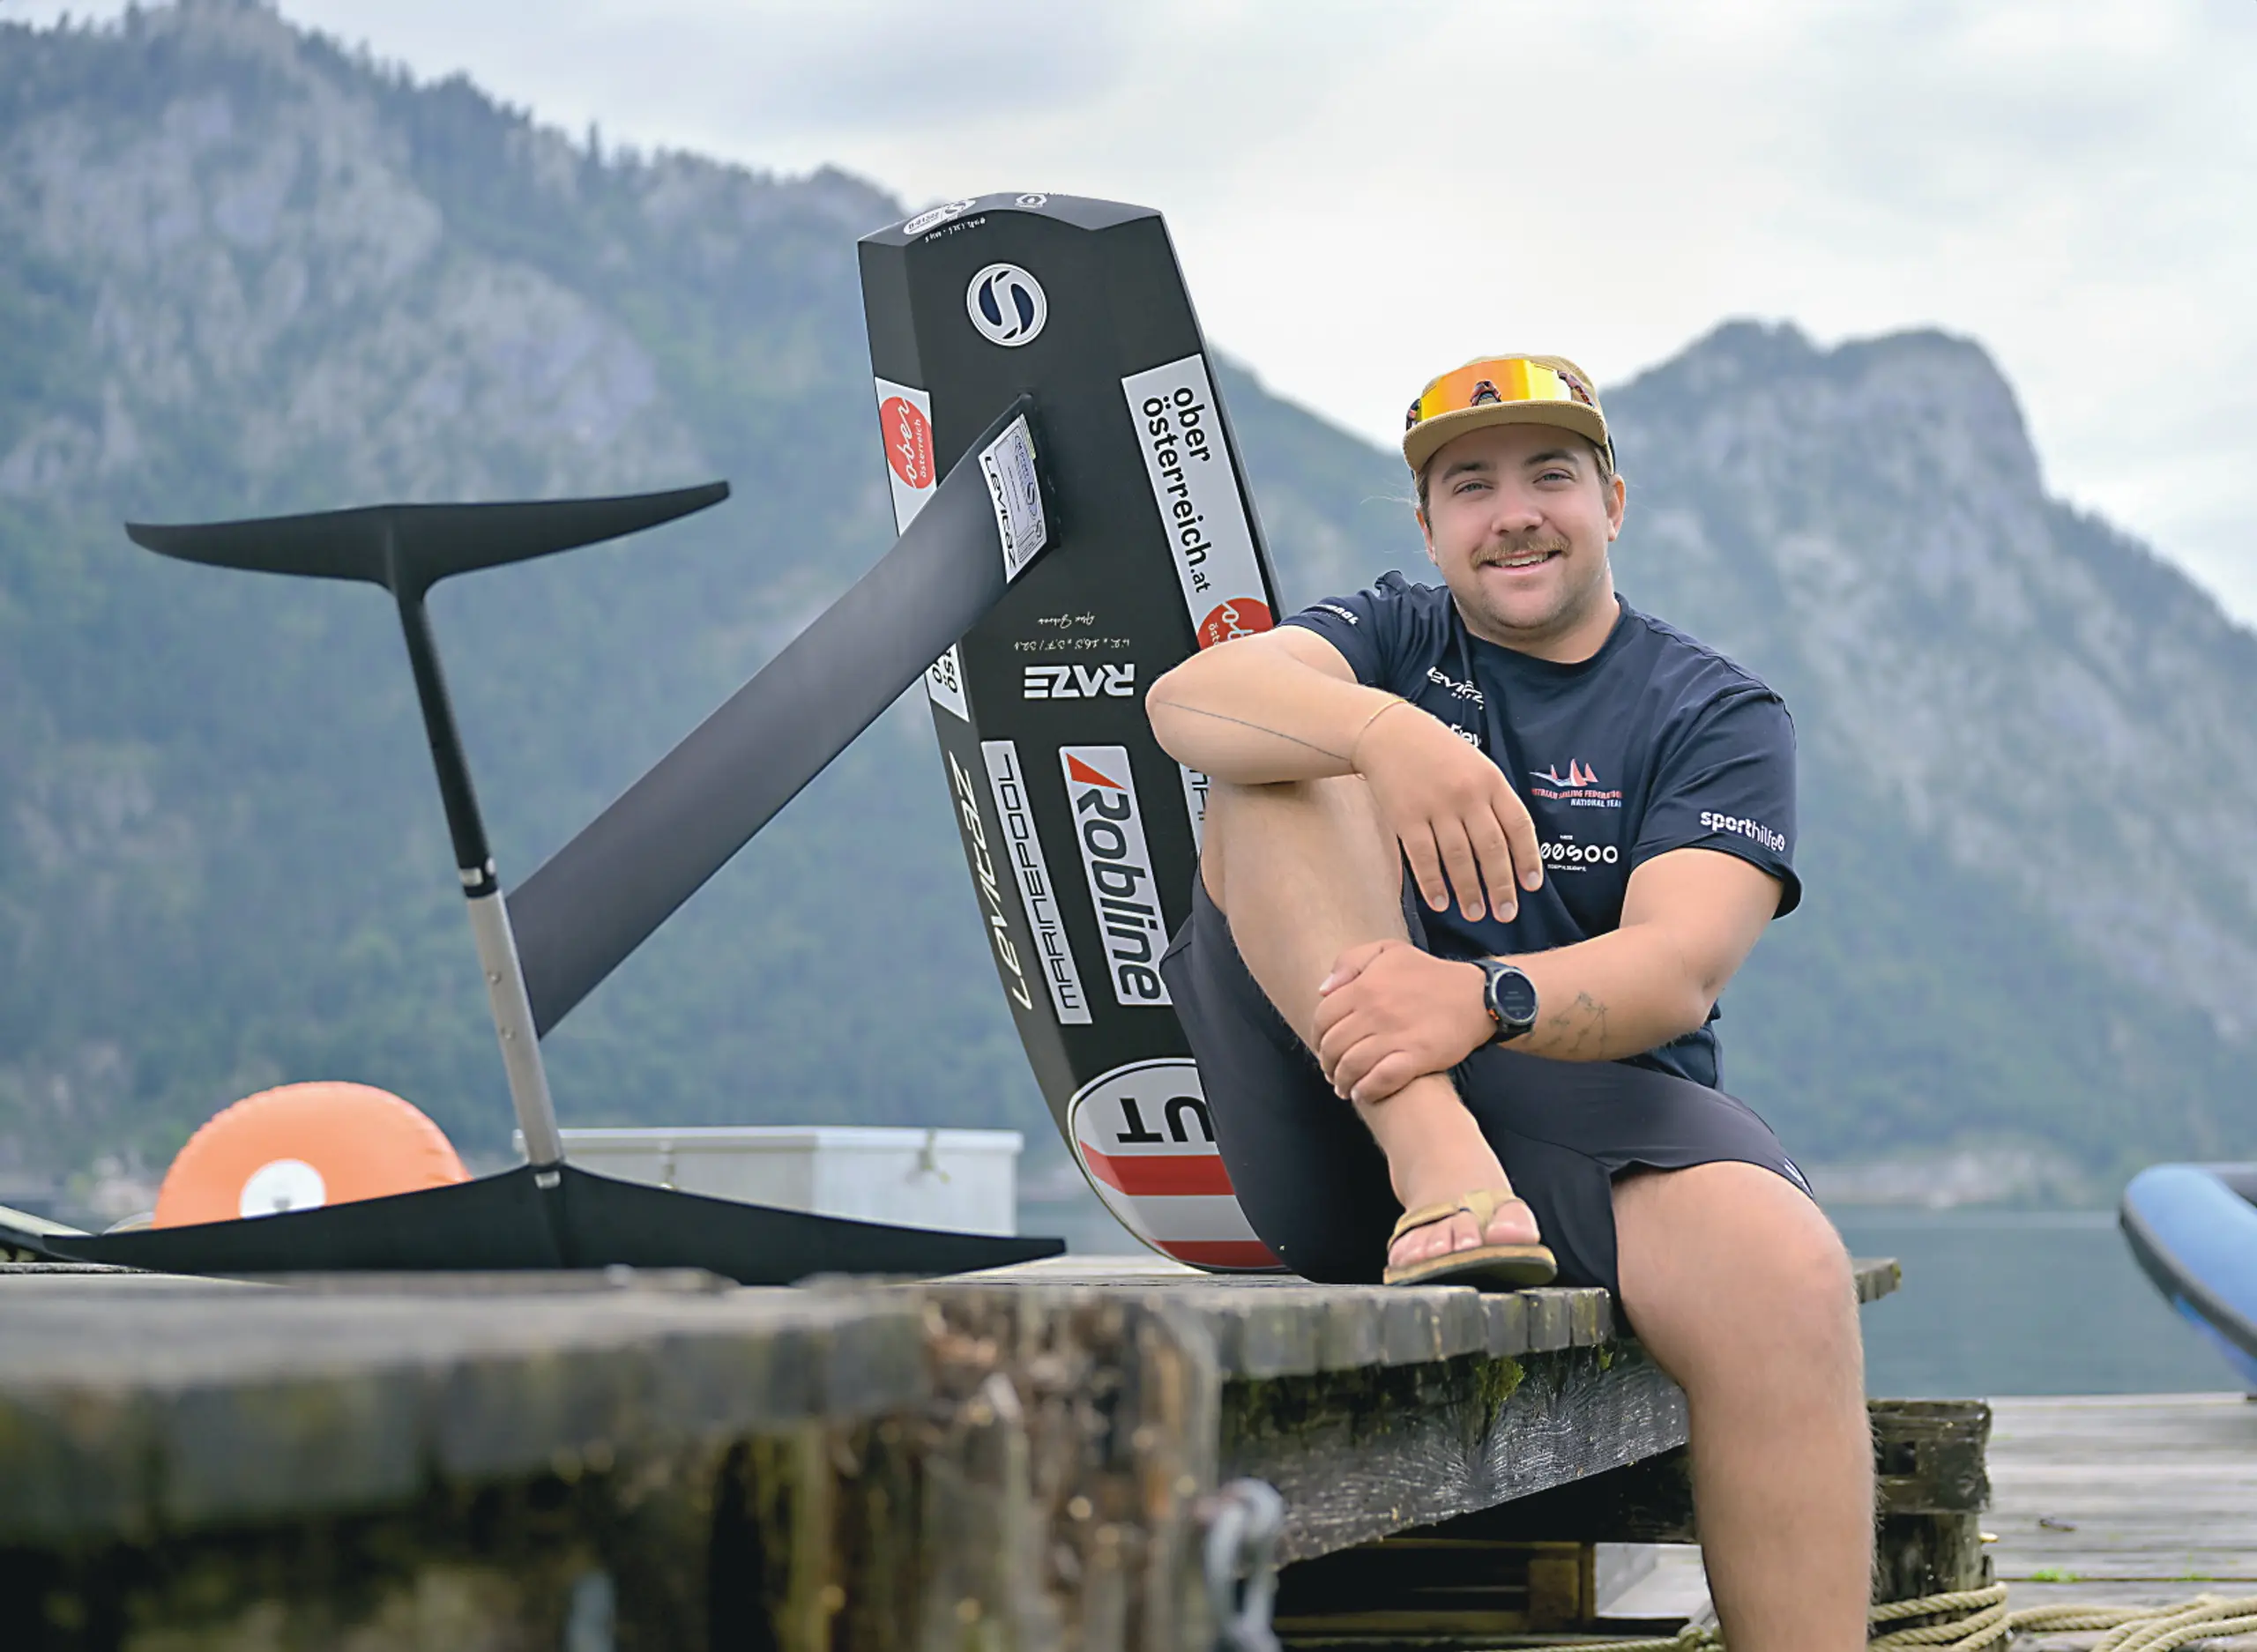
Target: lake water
1993	1302
2019	1302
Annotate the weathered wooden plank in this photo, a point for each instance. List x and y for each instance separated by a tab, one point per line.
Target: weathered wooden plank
1360	1454
1422	1589
2142	1499
1049	1493
508	1566
1268	1326
126	1407
1273	1325
1928	1455
1648	1501
999	1462
2126	1487
1930	1489
2145	1499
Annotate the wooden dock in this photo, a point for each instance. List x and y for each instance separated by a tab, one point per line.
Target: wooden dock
2126	1499
1025	1459
605	1463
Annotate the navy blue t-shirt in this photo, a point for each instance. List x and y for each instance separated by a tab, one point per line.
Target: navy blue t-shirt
1654	743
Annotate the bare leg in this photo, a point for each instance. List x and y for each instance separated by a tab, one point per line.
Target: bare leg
1739	1286
1304	871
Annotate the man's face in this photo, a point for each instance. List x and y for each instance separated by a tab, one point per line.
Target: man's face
1518	522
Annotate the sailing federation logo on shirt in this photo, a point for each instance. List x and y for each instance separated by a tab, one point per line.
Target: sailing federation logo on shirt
1579	786
1144	1140
1109	827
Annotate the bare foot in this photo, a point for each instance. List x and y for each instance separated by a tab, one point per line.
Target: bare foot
1436	1152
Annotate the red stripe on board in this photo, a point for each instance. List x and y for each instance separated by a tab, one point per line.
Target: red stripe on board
1220	1252
1159	1173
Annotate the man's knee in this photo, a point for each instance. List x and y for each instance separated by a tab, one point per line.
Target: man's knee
1230	810
1330	821
1737	1250
1814	1292
1783	1240
1233	809
1234	816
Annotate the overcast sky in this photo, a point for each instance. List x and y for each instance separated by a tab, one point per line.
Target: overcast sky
1364	194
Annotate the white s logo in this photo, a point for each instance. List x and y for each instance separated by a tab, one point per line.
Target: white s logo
1006	304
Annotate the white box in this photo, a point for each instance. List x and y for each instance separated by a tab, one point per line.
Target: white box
963	1180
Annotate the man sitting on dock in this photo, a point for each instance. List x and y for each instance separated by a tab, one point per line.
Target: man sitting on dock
1478	859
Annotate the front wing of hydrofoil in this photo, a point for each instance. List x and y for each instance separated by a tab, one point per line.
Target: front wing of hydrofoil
610	888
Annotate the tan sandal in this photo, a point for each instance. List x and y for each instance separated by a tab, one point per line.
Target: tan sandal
1484	1266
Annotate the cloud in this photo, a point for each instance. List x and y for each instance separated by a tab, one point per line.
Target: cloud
774	73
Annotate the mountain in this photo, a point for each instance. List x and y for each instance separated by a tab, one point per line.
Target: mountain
2030	779
245	270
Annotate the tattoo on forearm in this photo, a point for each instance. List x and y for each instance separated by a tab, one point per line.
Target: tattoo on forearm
1277	734
1580	1026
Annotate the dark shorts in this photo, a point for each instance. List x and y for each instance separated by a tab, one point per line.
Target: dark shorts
1314	1185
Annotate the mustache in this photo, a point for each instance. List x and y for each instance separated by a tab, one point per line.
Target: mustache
1519	546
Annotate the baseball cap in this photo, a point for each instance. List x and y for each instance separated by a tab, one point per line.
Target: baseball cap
1503	389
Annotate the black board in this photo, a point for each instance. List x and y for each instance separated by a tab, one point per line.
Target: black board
1080	834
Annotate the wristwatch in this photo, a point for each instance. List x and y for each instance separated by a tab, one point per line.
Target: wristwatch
1509	997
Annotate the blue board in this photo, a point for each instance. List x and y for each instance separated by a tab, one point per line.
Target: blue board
2193	1228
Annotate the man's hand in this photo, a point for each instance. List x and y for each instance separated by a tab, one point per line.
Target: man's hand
1389	1013
1451	809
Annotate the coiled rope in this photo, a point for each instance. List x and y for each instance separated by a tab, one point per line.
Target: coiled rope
1978	1620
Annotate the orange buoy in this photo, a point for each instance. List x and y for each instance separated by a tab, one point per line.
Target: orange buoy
303	1145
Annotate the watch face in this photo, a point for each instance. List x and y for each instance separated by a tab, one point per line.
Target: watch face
1515	996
